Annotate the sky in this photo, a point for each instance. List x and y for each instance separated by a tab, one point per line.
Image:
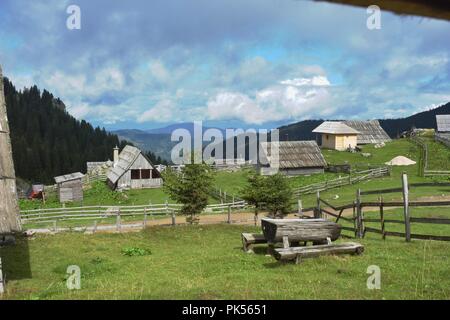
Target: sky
230	63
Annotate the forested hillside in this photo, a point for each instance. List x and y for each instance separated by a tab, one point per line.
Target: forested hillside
47	141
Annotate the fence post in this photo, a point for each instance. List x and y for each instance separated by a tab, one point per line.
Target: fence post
94	228
317	213
359	214
382	218
118	222
55	227
355	219
406	206
2	286
229	214
173	213
300	209
144	223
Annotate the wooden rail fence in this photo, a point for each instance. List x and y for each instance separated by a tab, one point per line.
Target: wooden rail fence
443	138
145	212
353	178
324	209
423	161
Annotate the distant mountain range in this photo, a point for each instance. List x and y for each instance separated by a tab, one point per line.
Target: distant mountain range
158	140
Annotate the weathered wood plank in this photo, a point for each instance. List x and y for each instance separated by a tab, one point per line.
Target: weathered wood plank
299	229
9	209
298	253
431	220
249	239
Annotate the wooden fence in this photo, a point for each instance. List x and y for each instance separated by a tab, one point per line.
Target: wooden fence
324	209
423	161
352	178
443	138
95	213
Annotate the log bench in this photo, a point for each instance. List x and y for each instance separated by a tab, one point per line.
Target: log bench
299	253
249	239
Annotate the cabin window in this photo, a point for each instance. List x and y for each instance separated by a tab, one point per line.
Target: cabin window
156	174
135	174
145	173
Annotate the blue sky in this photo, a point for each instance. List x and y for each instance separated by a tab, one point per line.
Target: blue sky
253	63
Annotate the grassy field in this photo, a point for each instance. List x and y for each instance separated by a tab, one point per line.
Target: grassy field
206	262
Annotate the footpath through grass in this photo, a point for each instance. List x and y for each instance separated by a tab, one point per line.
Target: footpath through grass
206	262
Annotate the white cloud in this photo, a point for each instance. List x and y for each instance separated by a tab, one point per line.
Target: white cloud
314	81
159	71
304	97
163	111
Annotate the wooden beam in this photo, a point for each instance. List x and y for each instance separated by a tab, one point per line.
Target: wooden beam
9	209
437	9
406	206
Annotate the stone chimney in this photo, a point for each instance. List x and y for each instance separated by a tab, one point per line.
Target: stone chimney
116	156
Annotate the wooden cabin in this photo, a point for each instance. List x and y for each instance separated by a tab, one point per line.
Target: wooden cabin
294	158
443	123
369	132
9	208
337	135
133	170
70	187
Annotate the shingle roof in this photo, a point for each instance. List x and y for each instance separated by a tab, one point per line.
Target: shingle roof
443	122
126	159
69	177
369	131
294	154
334	127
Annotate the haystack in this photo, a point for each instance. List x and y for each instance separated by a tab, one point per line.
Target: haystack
400	161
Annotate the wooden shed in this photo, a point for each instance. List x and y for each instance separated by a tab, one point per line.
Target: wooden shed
294	158
368	131
133	170
70	187
337	135
9	209
443	123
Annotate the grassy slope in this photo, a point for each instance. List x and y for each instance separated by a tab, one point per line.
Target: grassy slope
206	262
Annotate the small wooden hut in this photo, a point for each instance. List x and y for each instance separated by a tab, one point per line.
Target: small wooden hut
337	135
443	123
133	170
70	187
294	158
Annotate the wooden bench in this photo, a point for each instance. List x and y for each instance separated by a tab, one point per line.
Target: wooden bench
320	232
299	230
299	253
249	239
